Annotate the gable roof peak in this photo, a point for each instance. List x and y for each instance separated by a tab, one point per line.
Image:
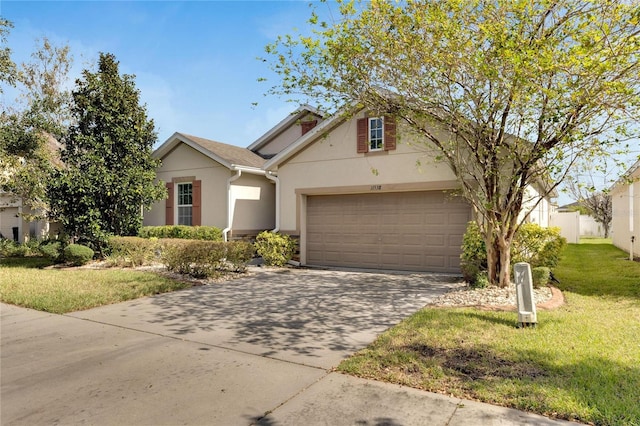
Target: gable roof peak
291	118
223	153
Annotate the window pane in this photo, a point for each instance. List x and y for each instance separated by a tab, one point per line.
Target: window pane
185	215
375	133
185	201
185	194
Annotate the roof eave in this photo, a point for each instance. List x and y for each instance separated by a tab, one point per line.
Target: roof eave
178	137
307	138
291	118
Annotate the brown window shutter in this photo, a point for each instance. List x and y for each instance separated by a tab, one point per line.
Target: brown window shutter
389	133
308	125
170	202
363	137
196	209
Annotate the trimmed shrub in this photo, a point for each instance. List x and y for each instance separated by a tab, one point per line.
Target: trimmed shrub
133	251
540	276
9	248
537	246
77	254
239	253
174	255
209	233
473	259
52	250
274	248
205	259
532	243
481	280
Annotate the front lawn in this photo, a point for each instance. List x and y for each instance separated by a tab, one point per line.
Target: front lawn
23	282
581	363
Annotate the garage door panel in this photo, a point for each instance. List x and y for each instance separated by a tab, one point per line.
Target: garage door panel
419	231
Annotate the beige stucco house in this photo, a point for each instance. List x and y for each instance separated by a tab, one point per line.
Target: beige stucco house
214	184
349	187
14	223
625	201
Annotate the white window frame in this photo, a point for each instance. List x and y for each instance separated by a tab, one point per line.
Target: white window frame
378	137
182	206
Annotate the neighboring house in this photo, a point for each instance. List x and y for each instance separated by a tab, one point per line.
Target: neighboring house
344	186
14	213
625	197
14	225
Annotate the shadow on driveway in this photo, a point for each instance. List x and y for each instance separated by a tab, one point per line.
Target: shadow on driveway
307	316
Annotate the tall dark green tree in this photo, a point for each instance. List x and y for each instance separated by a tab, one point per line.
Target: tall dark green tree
109	172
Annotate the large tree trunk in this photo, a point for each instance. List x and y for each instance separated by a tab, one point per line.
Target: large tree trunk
498	243
505	261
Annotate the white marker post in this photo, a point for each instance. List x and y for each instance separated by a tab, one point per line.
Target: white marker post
524	295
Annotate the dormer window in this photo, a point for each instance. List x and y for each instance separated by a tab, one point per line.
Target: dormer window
376	134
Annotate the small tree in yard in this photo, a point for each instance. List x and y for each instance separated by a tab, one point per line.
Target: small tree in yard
109	172
593	197
507	93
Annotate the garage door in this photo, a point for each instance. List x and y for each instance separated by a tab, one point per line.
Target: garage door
413	231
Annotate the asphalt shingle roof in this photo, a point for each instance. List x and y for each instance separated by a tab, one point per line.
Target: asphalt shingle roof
230	153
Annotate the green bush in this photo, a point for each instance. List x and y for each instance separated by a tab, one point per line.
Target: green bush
238	255
537	246
209	233
473	259
9	248
274	248
77	254
51	250
481	280
133	251
540	276
205	259
174	255
532	243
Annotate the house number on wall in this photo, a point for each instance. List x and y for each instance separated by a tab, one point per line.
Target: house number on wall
376	187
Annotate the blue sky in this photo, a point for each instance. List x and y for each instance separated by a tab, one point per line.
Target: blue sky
195	61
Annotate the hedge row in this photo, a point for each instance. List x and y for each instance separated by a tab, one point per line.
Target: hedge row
198	258
209	233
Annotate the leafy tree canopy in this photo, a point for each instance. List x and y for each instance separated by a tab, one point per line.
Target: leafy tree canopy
523	88
7	66
31	131
108	174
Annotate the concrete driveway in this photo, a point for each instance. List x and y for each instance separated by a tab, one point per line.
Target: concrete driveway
255	349
310	317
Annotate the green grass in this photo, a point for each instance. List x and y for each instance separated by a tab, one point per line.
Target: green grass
67	290
595	240
581	363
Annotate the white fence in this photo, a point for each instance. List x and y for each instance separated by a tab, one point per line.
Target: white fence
573	225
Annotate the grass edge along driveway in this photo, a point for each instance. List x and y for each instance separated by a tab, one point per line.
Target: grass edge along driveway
581	363
63	290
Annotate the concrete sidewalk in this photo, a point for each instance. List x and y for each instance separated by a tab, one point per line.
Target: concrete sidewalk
149	361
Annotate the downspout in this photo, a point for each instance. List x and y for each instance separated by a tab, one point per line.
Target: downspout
226	230
274	178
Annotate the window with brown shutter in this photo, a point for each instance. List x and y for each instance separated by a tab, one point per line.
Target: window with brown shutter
363	135
369	134
389	133
169	206
308	125
197	203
